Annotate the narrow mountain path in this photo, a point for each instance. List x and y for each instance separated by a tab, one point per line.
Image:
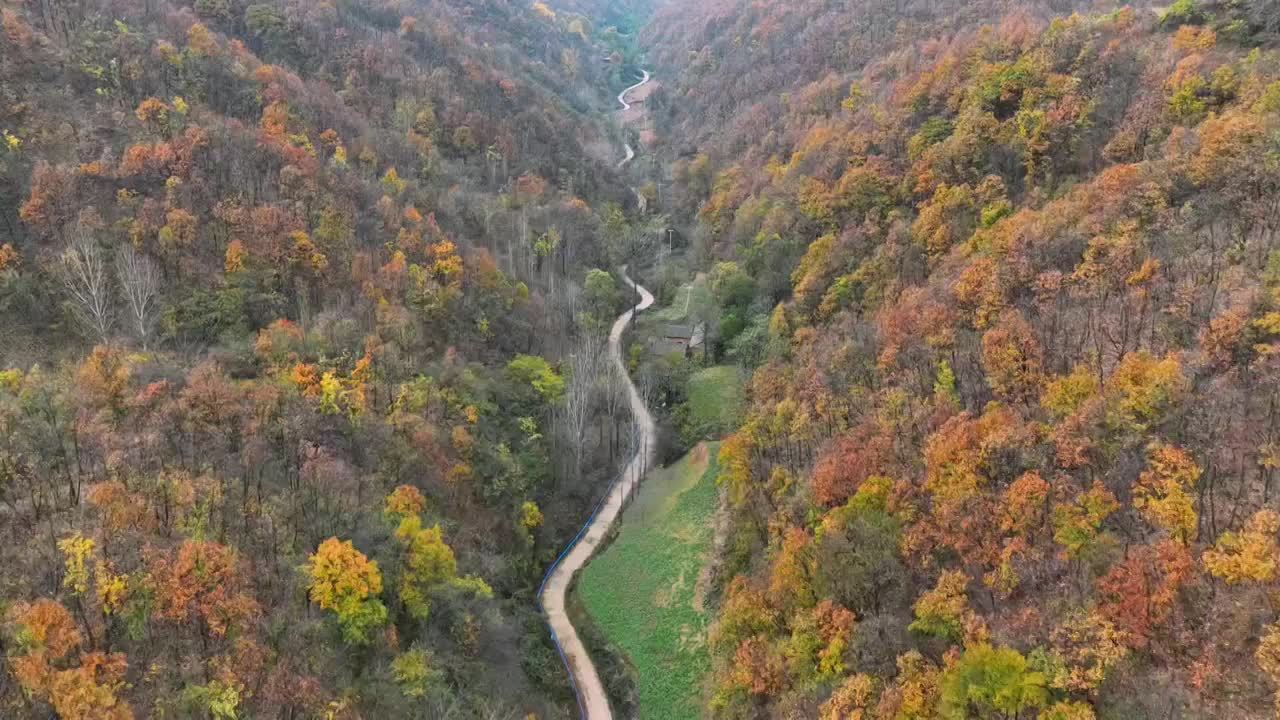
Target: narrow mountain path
592	698
622	96
593	701
629	152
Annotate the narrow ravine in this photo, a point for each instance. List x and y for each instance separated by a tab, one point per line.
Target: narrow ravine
593	701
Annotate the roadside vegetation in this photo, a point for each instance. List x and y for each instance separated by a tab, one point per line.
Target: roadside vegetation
645	592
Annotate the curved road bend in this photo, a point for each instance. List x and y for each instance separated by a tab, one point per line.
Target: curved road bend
630	152
622	96
591	693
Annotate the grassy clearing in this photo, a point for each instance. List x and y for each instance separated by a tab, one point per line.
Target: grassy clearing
715	399
691	297
643	591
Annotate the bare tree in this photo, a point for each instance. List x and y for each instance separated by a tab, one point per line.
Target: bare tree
639	441
140	285
562	311
648	438
614	389
86	277
581	389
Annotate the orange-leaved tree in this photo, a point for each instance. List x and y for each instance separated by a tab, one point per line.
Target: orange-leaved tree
50	664
202	581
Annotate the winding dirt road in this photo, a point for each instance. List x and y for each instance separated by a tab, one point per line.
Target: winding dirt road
622	96
629	152
592	698
582	671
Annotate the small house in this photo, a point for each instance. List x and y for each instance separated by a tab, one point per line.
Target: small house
682	338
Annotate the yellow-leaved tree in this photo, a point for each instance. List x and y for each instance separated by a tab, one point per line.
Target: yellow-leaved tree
76	550
428	562
347	582
1249	555
1268	657
1165	492
944	611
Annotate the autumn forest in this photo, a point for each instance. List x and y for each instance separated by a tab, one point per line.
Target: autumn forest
306	382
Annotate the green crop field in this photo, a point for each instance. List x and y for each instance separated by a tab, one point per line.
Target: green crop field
643	590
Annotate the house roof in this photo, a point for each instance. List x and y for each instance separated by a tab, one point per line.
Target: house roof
693	334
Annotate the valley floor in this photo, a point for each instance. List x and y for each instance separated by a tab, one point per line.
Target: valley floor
645	592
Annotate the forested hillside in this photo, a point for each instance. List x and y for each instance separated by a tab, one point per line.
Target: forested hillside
1008	277
303	383
286	290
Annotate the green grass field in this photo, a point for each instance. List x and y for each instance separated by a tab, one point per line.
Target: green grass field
715	400
684	306
642	591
